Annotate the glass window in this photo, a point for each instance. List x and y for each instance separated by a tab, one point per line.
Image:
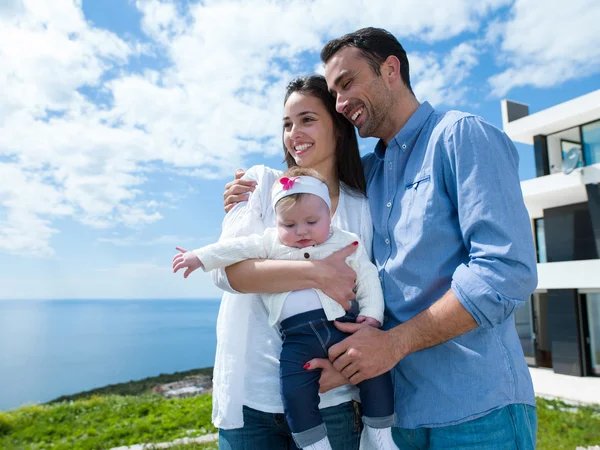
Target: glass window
593	308
571	146
558	146
591	142
540	240
524	325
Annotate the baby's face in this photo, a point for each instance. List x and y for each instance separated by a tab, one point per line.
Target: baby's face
305	224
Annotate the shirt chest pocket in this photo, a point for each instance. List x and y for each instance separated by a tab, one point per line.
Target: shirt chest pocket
417	198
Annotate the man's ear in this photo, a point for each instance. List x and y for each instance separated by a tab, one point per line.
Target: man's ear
390	69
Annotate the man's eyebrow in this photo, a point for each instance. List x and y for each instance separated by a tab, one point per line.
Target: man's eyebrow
303	113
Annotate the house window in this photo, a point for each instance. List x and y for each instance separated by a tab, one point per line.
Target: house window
540	240
593	308
567	147
590	134
524	326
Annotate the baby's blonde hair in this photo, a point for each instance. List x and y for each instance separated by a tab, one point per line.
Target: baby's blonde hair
286	203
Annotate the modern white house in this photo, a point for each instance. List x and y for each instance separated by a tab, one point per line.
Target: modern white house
560	327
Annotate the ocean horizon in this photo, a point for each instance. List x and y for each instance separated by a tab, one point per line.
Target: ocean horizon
55	347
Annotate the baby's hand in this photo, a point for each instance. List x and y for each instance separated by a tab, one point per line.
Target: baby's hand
185	259
368	321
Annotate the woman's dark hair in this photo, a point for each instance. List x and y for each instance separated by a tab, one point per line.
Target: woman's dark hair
347	157
375	44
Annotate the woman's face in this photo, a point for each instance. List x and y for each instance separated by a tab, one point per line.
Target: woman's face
308	132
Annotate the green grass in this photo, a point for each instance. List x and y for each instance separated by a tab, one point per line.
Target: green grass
128	414
560	426
105	422
209	446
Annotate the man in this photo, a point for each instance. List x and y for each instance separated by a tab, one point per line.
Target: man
453	244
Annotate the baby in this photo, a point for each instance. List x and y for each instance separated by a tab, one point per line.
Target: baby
305	318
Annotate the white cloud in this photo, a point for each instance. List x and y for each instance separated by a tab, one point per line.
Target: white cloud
63	161
442	81
136	240
546	43
28	200
215	101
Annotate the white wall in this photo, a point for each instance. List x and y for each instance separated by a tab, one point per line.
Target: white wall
558	189
569	275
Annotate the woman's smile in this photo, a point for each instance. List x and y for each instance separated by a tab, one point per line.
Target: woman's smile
301	149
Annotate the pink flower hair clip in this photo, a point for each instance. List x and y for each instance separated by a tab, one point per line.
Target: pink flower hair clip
288	183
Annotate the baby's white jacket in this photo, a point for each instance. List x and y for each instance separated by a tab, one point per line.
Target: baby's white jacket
369	295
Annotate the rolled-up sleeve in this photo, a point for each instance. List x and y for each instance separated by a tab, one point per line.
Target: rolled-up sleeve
244	219
482	179
219	278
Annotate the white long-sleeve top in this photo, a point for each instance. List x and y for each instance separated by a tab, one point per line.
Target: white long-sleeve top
369	295
246	370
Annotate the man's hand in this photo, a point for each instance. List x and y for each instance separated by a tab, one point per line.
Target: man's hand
237	190
369	321
367	353
330	378
338	280
185	259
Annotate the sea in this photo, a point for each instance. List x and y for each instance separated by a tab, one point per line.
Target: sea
50	348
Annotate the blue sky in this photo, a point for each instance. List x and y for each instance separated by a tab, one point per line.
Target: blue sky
121	120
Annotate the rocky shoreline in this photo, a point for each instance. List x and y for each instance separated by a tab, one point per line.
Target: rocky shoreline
180	384
187	387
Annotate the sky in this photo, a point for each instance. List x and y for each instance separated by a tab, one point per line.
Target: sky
121	120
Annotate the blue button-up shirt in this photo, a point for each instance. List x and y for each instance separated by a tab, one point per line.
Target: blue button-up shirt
448	213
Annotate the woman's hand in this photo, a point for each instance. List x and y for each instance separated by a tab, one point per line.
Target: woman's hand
185	259
237	190
330	378
337	279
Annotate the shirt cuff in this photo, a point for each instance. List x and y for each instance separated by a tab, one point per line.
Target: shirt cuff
204	259
485	304
374	313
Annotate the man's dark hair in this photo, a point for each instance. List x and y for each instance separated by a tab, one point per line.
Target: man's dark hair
347	157
375	44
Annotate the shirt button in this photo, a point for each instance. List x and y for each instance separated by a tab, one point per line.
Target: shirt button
306	255
403	146
389	204
387	241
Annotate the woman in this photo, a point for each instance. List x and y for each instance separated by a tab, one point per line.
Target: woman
247	405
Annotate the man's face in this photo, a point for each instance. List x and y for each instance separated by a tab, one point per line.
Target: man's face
362	97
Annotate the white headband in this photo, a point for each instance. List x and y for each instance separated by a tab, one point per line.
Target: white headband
299	185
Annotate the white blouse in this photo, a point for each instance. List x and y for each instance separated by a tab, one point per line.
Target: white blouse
246	370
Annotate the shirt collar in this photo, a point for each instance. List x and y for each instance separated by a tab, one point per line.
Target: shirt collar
407	136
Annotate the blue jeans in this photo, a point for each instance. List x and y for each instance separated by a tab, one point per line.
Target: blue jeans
306	336
511	427
266	431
